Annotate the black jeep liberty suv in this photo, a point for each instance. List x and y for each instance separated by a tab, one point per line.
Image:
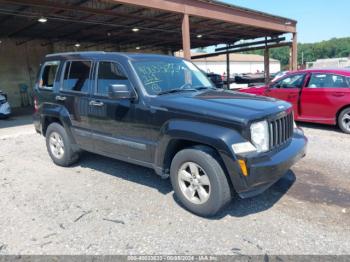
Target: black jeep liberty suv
162	112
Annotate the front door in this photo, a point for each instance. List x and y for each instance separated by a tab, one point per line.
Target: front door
288	89
113	121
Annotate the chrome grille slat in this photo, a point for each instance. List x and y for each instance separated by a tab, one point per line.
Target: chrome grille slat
280	134
281	130
270	135
275	134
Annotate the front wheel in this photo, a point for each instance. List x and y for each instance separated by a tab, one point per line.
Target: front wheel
199	181
344	120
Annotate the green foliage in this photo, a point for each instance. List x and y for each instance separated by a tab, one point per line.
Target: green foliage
333	48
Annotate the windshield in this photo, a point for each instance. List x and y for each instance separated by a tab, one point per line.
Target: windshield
161	76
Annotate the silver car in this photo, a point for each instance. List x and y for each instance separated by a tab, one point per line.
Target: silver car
5	109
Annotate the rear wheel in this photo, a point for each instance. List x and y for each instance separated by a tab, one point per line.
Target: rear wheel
59	146
199	181
344	120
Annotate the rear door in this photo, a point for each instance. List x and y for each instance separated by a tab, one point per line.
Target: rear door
74	95
323	96
48	81
288	89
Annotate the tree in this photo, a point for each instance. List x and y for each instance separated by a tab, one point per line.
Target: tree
333	48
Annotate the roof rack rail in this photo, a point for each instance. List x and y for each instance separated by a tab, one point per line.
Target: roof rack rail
76	53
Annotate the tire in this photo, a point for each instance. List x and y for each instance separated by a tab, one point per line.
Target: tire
65	157
218	191
344	120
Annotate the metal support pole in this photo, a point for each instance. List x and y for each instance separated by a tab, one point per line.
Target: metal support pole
290	59
295	52
228	69
267	64
186	40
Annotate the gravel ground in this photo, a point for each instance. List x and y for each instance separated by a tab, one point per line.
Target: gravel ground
104	206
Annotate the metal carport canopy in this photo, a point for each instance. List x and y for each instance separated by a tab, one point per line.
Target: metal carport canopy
220	11
164	24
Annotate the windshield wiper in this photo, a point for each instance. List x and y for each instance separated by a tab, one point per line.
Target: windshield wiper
203	87
175	90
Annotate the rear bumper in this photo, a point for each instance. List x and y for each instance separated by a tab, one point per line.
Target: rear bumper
37	123
264	170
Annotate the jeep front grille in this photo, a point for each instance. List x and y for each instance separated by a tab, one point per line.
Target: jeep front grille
281	130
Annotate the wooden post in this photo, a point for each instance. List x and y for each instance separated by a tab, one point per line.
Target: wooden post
228	69
295	52
186	39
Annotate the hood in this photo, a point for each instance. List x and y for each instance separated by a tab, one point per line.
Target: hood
222	105
256	90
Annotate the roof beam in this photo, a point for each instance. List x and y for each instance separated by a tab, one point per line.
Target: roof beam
242	50
59	6
218	12
272	40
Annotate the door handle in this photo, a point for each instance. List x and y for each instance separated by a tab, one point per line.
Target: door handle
60	98
338	94
96	103
292	96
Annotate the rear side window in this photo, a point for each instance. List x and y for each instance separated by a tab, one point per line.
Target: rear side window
77	76
321	80
48	74
109	73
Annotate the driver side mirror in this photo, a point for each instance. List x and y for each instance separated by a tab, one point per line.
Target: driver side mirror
120	91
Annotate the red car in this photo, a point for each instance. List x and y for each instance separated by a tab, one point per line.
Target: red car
318	96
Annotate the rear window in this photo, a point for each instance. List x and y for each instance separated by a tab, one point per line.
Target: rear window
48	74
324	80
77	76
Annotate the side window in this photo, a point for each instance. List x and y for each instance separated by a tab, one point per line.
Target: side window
293	81
321	80
109	73
77	76
48	74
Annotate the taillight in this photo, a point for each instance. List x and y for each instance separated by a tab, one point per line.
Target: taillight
36	104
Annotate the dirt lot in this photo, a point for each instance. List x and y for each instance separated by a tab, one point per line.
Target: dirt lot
103	206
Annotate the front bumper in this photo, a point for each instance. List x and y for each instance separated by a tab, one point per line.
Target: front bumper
265	169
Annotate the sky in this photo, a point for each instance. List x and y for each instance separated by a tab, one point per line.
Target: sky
317	19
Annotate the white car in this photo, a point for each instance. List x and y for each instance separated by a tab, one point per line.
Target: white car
5	109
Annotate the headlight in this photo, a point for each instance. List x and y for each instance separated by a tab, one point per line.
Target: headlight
259	132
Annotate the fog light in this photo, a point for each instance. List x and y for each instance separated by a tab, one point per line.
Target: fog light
245	147
243	167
